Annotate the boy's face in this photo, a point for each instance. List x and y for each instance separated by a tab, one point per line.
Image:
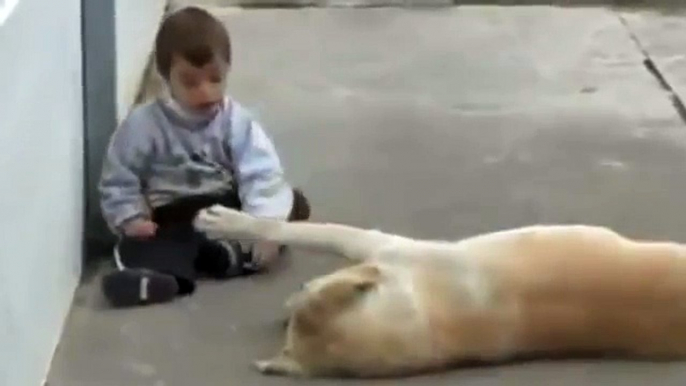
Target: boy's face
200	89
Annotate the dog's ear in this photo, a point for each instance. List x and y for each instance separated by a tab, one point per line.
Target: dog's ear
367	277
340	292
347	289
364	285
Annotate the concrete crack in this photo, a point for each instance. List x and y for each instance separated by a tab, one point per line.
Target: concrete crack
654	70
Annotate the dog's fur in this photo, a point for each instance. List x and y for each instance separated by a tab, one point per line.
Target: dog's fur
407	306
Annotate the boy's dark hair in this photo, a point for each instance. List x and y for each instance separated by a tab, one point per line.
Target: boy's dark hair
195	35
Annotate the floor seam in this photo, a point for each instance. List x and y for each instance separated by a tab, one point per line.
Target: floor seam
654	70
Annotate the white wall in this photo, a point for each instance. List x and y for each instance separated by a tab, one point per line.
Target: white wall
41	188
136	24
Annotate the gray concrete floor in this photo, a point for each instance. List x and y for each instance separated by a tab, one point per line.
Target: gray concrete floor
430	123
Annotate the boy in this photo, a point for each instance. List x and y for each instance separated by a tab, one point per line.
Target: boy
180	153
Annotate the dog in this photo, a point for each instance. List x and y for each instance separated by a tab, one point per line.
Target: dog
406	306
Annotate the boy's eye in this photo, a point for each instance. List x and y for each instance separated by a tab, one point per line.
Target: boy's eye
216	79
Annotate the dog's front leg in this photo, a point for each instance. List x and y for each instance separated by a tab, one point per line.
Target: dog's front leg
219	222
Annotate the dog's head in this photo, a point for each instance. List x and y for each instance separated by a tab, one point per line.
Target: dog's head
327	296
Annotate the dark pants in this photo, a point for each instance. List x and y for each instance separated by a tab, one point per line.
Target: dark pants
180	251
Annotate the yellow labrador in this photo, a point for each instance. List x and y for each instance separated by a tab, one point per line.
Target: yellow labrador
408	306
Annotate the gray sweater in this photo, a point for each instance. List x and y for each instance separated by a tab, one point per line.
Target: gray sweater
158	154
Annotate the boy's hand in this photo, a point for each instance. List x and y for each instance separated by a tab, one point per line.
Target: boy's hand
140	228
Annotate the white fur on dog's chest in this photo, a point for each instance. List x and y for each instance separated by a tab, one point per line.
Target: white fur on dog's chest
417	264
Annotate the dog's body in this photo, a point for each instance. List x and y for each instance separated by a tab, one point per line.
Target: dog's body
409	306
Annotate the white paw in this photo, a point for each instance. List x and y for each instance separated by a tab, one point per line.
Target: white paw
270	367
262	366
279	365
220	222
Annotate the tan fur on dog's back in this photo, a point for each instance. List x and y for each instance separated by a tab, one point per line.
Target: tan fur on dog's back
585	288
412	305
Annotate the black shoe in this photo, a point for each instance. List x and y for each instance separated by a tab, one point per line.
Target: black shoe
223	259
137	287
301	207
249	265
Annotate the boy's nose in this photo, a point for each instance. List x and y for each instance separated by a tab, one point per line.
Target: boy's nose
207	94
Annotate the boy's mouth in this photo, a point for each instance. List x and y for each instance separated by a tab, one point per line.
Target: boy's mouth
204	107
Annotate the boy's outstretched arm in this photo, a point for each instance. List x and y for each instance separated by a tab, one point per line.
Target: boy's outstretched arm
121	199
262	187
